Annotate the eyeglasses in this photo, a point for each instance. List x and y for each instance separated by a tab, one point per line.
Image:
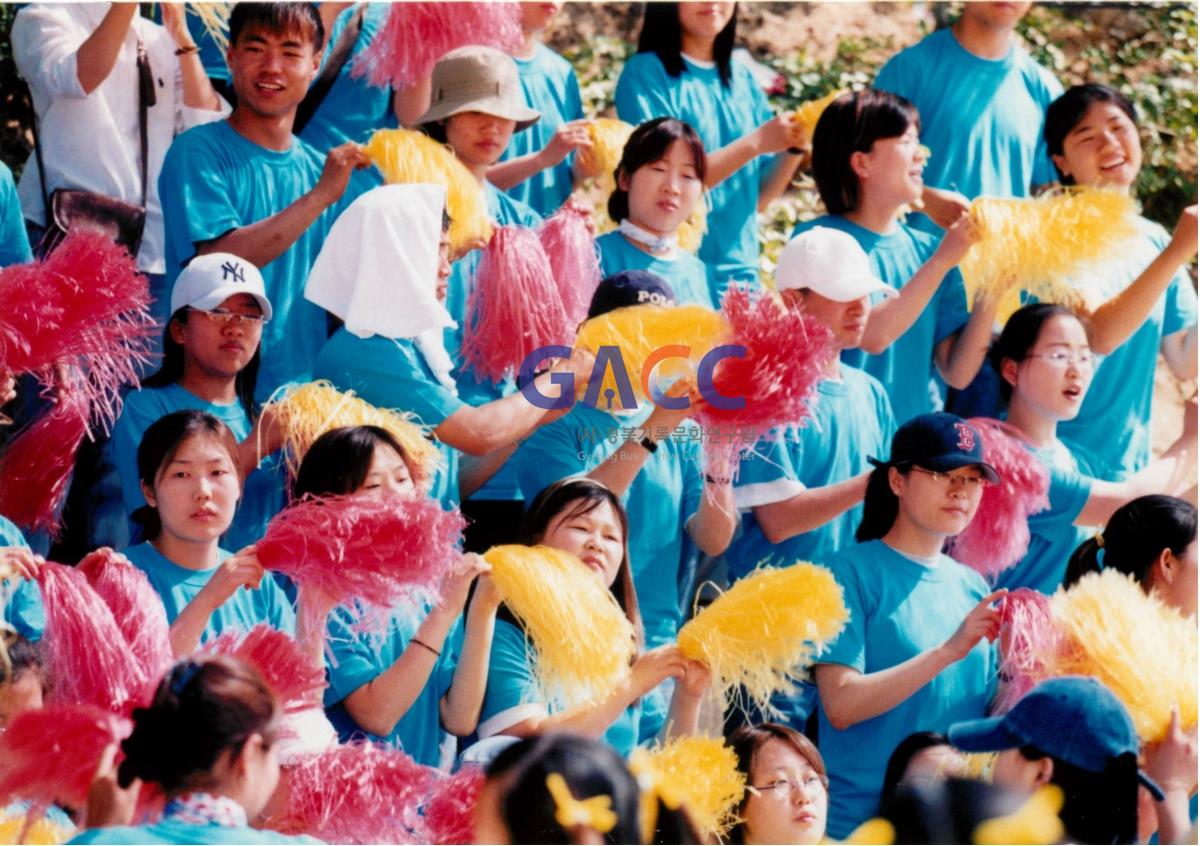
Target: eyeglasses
949	480
227	318
1061	358
786	788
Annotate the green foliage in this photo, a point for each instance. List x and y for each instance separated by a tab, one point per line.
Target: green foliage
15	108
598	63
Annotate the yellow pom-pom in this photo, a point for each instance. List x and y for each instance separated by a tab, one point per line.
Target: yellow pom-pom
1034	823
608	136
766	629
405	155
214	17
42	831
582	641
874	832
1143	650
809	112
701	773
305	412
1037	244
641	331
691	231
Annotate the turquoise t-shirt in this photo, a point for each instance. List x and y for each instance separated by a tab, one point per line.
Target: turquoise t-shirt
358	658
981	119
1053	535
352	108
512	697
264	493
1111	433
14	242
177	586
906	368
720	116
176	831
504	211
392	373
686	274
549	84
664	495
851	421
899	608
22	599
214	181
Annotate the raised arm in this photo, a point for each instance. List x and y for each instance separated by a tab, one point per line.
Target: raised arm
809	509
98	54
462	703
568	137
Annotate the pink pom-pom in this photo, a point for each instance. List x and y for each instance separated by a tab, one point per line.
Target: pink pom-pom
36	467
375	550
571	249
1029	639
136	606
294	679
786	355
998	536
86	654
450	813
416	35
49	755
514	306
356	793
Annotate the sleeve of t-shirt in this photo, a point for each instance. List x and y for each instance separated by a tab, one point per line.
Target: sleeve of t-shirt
196	195
894	77
850	648
552	453
511	694
765	474
14	243
640	96
1068	494
1180	312
353	660
395	381
952	313
886	417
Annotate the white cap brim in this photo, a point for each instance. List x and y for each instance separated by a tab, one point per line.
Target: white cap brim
214	298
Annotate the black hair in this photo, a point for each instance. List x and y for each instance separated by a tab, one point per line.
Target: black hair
159	444
902	756
662	35
852	124
880	504
582	496
648	144
1064	114
201	709
746	743
171	369
435	129
1135	537
339	460
278	17
1021	333
18	656
947	811
1098	807
589	768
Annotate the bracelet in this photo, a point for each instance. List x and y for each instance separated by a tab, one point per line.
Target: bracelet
713	480
191	48
420	642
649	444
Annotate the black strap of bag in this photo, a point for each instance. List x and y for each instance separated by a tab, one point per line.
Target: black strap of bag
338	56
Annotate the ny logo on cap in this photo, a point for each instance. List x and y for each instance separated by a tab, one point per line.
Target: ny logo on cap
235	270
966	437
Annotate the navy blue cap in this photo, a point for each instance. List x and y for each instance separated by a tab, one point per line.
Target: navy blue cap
939	441
1072	718
630	288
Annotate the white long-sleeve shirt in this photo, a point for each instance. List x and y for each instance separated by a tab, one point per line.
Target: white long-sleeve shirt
90	141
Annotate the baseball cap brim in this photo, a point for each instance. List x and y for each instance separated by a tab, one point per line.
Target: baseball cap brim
215	297
945	463
524	116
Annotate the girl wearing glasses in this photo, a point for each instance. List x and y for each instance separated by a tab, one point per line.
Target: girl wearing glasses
787	794
210	363
915	654
1046	364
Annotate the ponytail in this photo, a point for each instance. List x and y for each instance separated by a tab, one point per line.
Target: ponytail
880	505
1085	559
1135	537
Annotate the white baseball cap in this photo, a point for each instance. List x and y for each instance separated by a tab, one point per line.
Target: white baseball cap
831	263
210	279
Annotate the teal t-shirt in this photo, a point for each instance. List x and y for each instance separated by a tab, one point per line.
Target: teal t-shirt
14	242
981	119
720	116
549	85
512	697
906	368
177	586
899	608
686	274
1053	535
263	495
22	599
1111	433
664	495
177	831
851	422
357	658
214	181
392	373
352	108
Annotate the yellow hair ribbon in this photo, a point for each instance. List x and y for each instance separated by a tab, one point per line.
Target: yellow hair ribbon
595	813
1034	823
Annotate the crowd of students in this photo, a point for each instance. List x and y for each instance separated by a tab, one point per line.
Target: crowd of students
276	256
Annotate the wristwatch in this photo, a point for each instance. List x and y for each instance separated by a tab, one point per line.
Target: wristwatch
649	444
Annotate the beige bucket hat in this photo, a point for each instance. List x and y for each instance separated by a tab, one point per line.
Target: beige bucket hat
478	79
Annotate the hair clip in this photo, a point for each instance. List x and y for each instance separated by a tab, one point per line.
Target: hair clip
1034	822
1100	539
595	812
182	675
